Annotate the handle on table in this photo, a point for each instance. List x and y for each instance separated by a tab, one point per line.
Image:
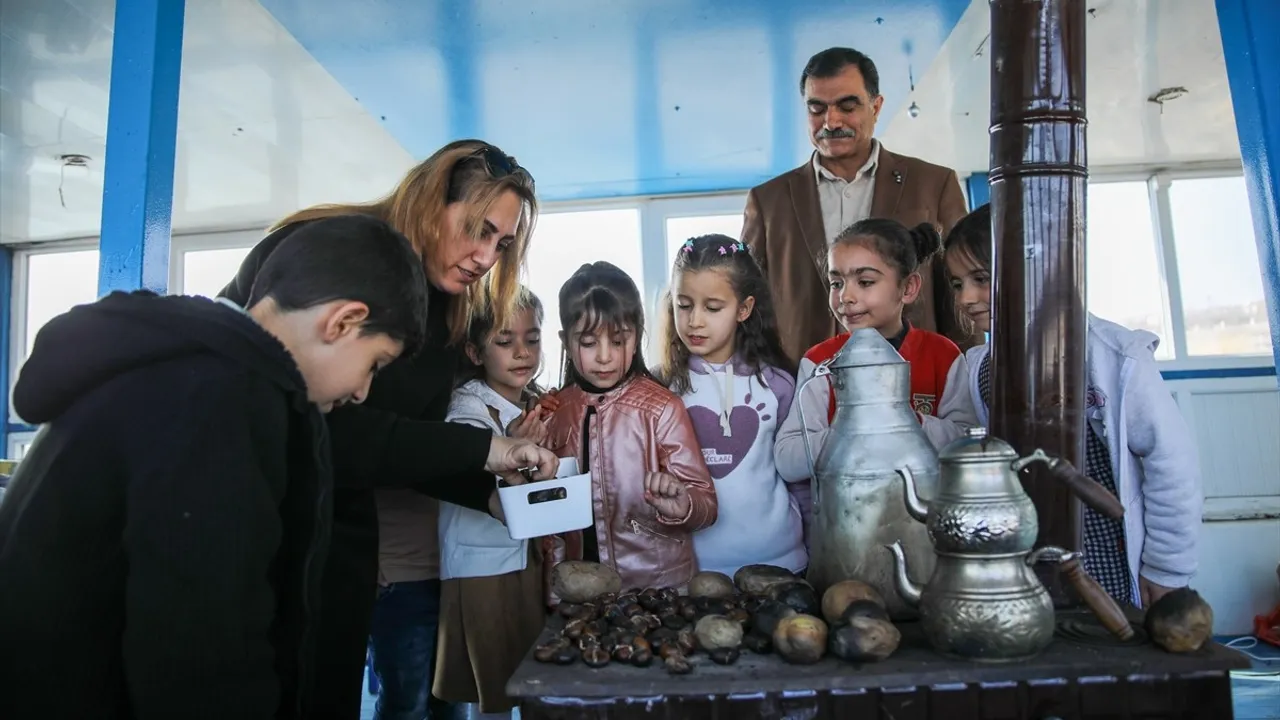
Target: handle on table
1102	604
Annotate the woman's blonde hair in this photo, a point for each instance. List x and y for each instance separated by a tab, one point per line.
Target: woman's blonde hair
469	171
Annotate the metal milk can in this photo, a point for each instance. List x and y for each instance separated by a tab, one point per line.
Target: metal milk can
858	503
984	601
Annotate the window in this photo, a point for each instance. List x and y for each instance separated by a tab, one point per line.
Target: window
680	229
206	272
1125	285
1220	282
563	242
55	283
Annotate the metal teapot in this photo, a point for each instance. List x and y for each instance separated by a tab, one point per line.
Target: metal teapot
983	600
979	505
858	504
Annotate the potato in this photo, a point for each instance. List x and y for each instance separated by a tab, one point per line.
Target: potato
800	639
838	596
1180	622
715	632
799	596
577	581
865	639
863	608
711	585
757	579
767	616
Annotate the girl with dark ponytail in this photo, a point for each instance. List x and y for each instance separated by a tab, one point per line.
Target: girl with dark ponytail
873	273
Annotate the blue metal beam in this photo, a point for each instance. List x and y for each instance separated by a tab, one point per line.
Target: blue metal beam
142	133
6	339
1252	52
978	188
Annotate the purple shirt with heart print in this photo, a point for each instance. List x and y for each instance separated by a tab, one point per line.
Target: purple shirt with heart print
736	414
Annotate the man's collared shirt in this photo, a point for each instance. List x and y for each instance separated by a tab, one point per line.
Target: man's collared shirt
845	202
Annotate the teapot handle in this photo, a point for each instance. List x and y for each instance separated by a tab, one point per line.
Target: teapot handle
1090	491
1104	607
822	370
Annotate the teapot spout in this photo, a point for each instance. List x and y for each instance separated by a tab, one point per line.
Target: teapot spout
916	508
908	590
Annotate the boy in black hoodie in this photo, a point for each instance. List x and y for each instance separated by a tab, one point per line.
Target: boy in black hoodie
161	544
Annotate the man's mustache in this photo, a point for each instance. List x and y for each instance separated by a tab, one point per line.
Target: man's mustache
826	134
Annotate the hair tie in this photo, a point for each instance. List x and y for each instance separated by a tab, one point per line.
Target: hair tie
688	246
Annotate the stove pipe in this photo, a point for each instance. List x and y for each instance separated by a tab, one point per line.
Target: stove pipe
1038	178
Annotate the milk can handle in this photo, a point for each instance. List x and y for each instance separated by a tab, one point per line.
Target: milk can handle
823	370
1090	491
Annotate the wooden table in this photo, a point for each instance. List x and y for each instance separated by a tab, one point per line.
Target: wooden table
1082	675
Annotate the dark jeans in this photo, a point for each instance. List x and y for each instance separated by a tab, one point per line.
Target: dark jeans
403	639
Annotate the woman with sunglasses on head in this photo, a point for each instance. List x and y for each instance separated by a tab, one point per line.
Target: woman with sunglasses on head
468	210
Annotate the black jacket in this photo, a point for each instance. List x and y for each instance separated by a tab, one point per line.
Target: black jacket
396	439
161	543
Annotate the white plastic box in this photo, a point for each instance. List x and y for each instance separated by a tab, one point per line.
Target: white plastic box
547	507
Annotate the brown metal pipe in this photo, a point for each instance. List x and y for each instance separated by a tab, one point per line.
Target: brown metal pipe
1038	177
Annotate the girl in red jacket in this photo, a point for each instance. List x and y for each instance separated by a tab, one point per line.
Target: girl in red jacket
873	275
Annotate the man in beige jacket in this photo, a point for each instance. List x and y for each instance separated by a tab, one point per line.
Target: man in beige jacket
790	219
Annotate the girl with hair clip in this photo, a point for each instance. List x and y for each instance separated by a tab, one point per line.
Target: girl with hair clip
491	609
873	274
722	355
1137	443
650	487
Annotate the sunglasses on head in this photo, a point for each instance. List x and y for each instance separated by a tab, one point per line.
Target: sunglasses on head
501	164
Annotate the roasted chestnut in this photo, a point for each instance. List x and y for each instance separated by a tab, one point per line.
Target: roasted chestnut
595	657
623	653
687	641
547	651
678	664
632	610
675	622
609	642
642	658
565	656
661	635
574	628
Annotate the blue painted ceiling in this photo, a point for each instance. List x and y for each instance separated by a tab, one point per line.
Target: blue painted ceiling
604	98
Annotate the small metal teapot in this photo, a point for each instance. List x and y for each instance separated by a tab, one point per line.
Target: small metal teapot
980	506
857	499
983	600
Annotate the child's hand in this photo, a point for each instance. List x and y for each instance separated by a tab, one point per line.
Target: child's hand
667	495
547	404
529	426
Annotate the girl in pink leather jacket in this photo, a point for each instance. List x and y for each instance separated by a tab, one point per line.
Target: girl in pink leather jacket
650	487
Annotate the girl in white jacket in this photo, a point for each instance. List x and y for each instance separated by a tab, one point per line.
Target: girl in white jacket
1137	443
491	603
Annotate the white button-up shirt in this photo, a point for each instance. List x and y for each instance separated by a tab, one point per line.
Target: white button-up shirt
845	202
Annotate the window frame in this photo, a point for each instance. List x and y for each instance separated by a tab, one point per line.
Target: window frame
654	212
1158	181
18	300
180	245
